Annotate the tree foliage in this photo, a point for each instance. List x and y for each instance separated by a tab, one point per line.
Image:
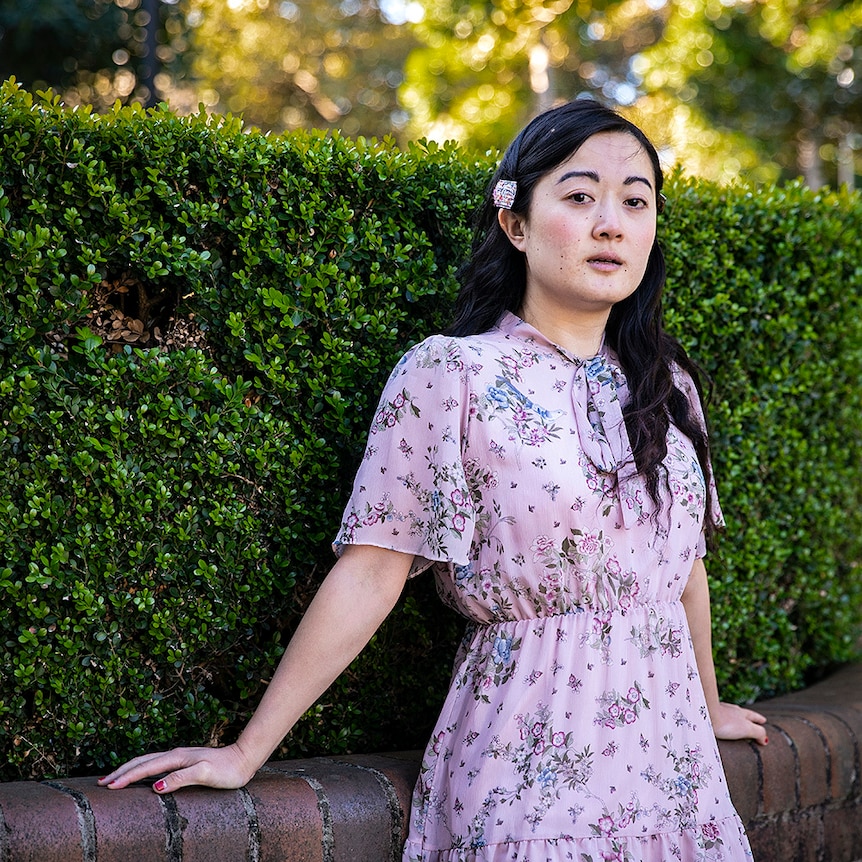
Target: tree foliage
765	90
486	68
94	52
786	75
287	64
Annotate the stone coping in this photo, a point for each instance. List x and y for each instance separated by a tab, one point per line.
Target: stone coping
800	797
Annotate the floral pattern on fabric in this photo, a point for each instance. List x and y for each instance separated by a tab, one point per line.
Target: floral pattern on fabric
575	727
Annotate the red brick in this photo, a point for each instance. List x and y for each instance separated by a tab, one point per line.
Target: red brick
786	839
41	823
362	825
842	830
813	758
400	769
841	748
288	818
778	767
851	717
215	827
741	767
808	829
130	823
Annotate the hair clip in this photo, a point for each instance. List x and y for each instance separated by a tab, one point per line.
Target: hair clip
662	200
504	194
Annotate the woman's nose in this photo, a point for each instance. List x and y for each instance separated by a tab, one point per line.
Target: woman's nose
608	224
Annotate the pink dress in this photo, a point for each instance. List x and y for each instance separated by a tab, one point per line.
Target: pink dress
575	727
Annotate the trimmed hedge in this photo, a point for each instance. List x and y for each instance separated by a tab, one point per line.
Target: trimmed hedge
765	290
195	324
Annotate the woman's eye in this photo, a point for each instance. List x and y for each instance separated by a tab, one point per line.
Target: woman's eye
579	197
636	203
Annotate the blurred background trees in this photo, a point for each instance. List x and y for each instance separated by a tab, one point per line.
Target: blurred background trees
763	90
91	51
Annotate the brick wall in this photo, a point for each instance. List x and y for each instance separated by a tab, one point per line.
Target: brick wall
800	797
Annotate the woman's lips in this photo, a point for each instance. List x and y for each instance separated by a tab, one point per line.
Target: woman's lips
607	263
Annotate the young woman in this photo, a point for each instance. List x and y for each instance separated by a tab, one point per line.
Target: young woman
548	459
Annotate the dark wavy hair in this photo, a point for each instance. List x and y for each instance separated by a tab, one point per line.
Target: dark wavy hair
493	281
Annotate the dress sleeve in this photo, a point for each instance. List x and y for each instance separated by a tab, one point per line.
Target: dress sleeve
686	385
410	493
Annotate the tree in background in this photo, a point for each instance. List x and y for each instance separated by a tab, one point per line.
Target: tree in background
286	64
729	88
770	88
91	51
485	68
281	64
766	90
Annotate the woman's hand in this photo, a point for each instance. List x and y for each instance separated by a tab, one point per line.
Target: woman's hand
225	768
736	722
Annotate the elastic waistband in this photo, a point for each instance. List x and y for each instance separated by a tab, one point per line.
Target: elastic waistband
585	613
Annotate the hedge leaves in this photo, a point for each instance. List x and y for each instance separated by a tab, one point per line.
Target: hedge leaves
195	324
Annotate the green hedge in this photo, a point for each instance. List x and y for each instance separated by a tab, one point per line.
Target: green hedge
195	323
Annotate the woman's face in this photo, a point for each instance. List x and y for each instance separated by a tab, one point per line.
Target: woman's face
589	231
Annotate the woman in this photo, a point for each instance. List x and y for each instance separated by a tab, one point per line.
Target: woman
548	458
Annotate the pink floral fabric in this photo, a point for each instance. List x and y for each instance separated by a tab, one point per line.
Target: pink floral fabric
575	727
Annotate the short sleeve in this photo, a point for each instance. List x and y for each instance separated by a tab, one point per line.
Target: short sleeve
410	493
685	384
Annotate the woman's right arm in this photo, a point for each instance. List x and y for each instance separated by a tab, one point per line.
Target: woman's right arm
352	602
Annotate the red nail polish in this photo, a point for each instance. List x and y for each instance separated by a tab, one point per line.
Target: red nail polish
766	740
160	785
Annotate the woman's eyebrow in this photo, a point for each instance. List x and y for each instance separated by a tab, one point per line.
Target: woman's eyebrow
630	180
592	175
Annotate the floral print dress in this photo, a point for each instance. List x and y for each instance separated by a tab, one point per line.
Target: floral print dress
575	727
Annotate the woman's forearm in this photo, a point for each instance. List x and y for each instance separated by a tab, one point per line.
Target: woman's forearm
728	720
350	605
695	600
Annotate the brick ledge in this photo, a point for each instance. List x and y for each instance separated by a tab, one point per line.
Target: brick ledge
800	797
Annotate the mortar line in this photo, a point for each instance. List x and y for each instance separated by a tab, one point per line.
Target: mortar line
86	820
254	836
173	828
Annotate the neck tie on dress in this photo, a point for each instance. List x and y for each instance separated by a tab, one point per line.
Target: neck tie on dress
600	392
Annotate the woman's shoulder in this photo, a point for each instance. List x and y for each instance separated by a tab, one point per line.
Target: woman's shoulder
682	377
687	380
453	352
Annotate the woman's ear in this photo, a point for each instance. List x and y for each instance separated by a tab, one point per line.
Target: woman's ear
513	225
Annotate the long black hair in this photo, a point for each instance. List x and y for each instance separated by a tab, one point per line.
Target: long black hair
494	280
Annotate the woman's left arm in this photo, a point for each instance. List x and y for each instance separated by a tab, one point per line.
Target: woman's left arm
729	721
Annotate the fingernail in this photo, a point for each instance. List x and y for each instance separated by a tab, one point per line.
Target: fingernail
766	740
160	785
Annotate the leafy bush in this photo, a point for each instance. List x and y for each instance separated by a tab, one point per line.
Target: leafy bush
195	324
765	289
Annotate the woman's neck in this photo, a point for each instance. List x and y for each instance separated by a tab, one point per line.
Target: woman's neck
581	336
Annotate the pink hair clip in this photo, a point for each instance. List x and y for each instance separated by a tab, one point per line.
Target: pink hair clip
504	194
